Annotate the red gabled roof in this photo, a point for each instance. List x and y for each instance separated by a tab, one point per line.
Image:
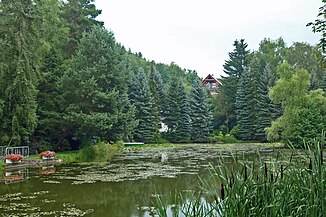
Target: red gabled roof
210	79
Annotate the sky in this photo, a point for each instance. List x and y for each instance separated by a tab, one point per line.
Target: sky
199	34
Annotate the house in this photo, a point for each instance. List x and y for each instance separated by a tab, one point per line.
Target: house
211	84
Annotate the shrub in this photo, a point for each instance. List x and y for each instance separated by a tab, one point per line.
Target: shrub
101	152
87	154
227	138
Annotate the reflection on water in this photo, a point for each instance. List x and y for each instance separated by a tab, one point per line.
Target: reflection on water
127	187
15	176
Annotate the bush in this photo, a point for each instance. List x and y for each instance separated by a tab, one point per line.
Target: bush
159	138
101	152
227	138
87	154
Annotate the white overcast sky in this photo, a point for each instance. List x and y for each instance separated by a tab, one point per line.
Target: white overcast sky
198	34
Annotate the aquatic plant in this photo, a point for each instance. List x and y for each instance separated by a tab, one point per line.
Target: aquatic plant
283	186
101	152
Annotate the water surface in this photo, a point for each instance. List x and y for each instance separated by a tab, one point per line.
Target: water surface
126	187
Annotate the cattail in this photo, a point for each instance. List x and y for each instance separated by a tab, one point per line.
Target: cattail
310	166
265	171
281	171
245	174
272	177
231	181
321	155
222	192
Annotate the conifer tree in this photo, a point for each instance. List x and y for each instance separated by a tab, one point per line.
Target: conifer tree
244	117
80	16
183	130
96	91
172	114
233	68
157	90
264	105
146	115
20	44
201	118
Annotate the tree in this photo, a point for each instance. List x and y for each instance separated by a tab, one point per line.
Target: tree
244	108
79	16
304	111
265	108
157	90
172	114
248	99
184	127
96	91
20	45
306	56
140	97
271	52
233	68
201	118
319	25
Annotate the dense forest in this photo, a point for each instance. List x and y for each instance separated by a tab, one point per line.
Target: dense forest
275	93
65	82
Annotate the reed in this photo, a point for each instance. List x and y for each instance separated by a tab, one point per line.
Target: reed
287	185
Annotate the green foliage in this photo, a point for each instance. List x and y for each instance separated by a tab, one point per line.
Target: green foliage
19	64
101	152
96	92
244	108
233	68
177	113
266	110
87	154
260	188
306	56
146	113
201	117
80	16
319	26
157	90
304	110
221	138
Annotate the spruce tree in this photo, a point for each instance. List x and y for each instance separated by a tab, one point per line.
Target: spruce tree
140	97
264	106
233	68
172	114
183	130
157	90
20	45
201	118
96	91
244	109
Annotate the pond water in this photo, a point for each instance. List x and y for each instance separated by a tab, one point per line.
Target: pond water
127	187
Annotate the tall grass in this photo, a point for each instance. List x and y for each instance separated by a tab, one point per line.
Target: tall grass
101	152
288	185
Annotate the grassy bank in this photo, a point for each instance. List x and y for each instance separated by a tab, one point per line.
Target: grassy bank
2	165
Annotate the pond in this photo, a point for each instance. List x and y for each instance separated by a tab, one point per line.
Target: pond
127	187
